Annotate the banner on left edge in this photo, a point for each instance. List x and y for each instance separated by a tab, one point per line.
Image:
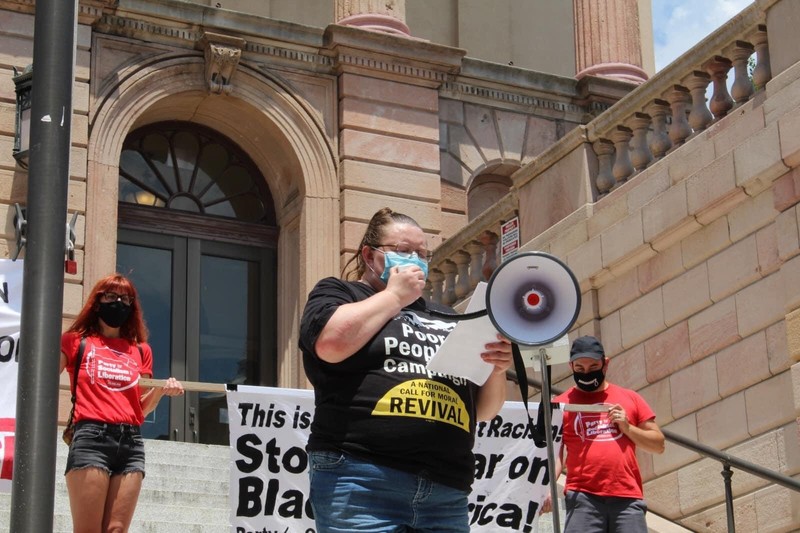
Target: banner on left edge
10	309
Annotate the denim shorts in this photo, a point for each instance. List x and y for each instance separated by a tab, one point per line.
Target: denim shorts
348	495
115	448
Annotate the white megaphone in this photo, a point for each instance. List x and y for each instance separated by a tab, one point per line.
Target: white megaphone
533	299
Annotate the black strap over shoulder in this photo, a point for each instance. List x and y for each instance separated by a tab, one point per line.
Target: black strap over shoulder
78	357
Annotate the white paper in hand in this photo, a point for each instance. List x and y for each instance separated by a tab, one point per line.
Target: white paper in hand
460	353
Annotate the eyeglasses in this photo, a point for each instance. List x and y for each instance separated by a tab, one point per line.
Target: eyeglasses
109	297
406	250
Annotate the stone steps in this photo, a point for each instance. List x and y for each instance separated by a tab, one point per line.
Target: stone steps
185	489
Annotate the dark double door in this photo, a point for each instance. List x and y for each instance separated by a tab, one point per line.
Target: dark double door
210	309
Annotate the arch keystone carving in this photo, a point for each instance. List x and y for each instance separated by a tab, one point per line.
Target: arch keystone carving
222	54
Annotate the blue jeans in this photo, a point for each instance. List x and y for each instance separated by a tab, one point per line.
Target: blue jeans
349	495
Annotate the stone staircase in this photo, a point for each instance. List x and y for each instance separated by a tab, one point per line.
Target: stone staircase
185	489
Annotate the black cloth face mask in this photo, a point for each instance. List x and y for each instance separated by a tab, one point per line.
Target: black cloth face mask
589	381
114	314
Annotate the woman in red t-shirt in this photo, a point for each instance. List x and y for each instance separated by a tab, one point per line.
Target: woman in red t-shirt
105	465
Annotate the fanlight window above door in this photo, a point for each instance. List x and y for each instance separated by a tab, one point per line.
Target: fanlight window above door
190	168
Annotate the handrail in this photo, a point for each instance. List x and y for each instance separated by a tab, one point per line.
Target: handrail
724	458
727	460
702	449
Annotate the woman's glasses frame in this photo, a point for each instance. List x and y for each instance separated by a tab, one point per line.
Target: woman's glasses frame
404	250
110	297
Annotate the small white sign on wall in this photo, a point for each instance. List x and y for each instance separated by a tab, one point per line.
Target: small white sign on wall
509	239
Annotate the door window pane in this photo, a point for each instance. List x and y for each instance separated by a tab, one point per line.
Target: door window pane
145	267
229	335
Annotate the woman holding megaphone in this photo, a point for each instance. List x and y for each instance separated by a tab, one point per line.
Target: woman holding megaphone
391	442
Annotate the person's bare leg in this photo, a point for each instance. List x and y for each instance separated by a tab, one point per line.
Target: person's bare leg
88	491
123	493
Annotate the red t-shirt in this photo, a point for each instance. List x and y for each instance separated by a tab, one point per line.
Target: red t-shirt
601	460
108	379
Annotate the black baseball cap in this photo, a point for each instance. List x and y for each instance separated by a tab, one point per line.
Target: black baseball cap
586	346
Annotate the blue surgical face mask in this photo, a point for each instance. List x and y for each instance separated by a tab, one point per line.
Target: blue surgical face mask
393	259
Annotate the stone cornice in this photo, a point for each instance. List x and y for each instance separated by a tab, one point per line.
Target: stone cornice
527	91
251	28
290	55
517	77
407	59
138	28
515	98
88	10
187	36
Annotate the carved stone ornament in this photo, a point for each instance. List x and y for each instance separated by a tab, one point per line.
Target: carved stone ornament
222	54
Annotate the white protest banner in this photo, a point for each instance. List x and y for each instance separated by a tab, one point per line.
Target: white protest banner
269	480
10	309
269	465
511	474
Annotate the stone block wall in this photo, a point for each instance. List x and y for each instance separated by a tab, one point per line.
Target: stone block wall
690	274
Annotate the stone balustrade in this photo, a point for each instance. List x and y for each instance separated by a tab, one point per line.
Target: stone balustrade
670	108
653	120
470	256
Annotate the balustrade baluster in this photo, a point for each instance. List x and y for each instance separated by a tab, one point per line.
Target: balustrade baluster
436	279
742	88
461	259
604	149
659	140
762	73
489	241
622	169
449	270
679	130
699	116
640	152
475	250
721	101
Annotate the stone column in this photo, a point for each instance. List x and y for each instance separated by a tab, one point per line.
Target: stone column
607	40
387	16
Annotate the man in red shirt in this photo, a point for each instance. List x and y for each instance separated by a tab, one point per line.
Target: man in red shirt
604	486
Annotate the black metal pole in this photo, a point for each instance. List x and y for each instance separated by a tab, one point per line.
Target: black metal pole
727	474
33	489
548	432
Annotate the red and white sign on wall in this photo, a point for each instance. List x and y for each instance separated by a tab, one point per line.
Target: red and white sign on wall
509	239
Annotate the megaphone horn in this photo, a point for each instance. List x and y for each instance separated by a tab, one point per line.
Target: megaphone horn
533	299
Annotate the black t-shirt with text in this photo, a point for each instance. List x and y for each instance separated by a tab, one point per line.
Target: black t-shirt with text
382	404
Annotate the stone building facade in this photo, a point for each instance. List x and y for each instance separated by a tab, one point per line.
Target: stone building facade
212	144
229	157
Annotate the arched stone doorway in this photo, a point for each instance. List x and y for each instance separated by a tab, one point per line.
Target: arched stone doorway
272	125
